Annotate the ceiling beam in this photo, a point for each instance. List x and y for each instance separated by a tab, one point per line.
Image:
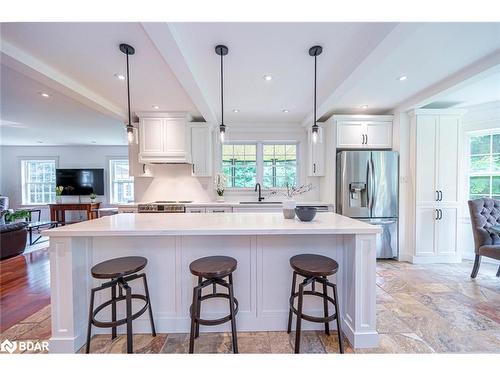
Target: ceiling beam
163	37
27	64
399	34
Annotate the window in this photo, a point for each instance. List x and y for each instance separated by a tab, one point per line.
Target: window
280	166
484	165
122	185
273	165
239	164
38	181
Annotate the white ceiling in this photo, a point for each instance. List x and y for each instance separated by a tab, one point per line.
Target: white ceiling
30	119
176	68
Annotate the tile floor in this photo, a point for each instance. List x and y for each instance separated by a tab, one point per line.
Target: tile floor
420	309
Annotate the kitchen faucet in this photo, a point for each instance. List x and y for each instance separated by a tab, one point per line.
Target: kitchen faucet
257	186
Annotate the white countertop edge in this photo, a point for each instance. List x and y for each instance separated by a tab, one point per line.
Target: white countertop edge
204	232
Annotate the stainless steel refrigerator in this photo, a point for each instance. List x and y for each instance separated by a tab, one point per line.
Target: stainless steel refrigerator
367	189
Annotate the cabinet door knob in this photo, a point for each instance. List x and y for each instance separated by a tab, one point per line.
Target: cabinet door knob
366	139
314	167
193	168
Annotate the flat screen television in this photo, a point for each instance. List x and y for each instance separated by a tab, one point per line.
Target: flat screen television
81	181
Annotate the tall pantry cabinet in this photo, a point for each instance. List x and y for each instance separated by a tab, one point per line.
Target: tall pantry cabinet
435	162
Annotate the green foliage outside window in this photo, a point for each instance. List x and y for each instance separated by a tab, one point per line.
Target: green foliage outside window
484	180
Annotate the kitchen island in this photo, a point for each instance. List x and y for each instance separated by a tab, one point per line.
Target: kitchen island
262	243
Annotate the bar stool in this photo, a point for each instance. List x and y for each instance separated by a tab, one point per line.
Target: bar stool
213	269
315	269
120	271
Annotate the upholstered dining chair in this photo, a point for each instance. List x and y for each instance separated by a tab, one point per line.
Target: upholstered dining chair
485	220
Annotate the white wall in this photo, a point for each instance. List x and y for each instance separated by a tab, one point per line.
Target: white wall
174	182
477	118
66	156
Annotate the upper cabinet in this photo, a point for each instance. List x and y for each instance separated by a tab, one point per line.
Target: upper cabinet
201	149
164	137
316	153
363	132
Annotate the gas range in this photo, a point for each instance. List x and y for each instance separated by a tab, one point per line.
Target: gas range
163	207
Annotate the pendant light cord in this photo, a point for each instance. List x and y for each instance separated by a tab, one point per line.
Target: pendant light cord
128	94
315	66
222	86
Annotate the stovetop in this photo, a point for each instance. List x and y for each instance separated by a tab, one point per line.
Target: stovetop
163	206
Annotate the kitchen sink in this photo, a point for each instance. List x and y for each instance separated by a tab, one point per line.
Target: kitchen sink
263	202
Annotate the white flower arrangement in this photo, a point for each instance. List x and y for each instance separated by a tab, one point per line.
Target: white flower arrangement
220	184
291	191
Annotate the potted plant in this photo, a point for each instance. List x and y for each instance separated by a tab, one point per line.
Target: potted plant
289	194
220	186
93	197
59	191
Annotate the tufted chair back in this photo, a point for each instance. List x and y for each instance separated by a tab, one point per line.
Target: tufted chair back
484	213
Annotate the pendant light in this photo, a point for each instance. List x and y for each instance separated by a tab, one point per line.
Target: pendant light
315	51
128	50
222	51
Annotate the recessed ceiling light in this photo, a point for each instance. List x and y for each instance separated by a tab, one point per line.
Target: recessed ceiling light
156	107
44	94
121	77
285	111
94	142
39	142
236	110
402	78
267	77
364	106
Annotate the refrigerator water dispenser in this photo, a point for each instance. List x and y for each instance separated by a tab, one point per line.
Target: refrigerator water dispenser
358	196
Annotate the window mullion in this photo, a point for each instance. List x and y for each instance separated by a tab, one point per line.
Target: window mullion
259	163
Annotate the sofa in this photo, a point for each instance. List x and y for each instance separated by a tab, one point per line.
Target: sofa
12	239
485	219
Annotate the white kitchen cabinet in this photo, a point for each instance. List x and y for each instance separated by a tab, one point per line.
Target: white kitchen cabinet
316	153
201	150
164	137
217	210
361	131
196	210
436	233
435	160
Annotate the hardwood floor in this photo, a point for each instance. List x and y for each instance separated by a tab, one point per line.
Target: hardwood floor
24	287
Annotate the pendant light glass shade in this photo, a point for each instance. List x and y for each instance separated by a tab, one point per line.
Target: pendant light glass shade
315	51
222	50
128	50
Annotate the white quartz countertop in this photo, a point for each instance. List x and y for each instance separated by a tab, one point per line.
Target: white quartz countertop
165	224
235	204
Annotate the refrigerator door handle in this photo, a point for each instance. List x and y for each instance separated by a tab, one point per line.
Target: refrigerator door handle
369	188
372	184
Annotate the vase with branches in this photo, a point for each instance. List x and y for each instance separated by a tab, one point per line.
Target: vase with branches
289	195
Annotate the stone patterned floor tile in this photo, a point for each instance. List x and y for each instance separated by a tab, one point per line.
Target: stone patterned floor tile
207	343
398	343
254	343
331	343
281	342
388	322
143	344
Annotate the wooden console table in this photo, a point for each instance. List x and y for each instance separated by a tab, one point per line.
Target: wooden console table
58	210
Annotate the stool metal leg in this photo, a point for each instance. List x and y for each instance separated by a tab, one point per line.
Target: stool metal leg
146	290
337	312
89	327
233	316
290	313
113	311
299	318
194	309
128	299
198	311
325	306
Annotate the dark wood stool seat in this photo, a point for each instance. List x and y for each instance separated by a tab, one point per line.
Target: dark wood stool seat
313	265
314	269
212	271
118	267
214	266
120	271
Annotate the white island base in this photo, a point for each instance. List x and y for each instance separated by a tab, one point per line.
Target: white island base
262	243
